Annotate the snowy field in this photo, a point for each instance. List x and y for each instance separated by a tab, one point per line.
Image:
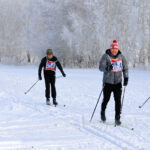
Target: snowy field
26	123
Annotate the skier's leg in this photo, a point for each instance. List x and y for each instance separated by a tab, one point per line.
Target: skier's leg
117	90
53	90
47	87
106	93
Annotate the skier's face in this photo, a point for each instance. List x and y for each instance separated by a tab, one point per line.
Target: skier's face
114	51
50	56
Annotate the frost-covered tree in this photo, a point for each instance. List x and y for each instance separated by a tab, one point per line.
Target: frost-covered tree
78	31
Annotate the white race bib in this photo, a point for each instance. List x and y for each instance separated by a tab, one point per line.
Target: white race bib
50	65
117	64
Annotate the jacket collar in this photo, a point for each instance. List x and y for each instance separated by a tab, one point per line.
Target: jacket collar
108	52
49	58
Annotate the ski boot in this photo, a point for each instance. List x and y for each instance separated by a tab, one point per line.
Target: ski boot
117	121
103	117
55	102
48	101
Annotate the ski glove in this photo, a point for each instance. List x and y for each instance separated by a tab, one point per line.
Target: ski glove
109	68
125	81
40	78
64	75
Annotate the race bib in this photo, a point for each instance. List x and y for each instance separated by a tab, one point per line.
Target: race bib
117	65
50	65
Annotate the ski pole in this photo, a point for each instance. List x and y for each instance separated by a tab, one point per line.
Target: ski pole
123	98
32	86
144	103
37	82
96	105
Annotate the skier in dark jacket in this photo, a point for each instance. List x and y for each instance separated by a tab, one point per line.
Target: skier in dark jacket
49	64
113	64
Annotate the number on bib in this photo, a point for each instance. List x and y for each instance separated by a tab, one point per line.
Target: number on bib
50	65
117	65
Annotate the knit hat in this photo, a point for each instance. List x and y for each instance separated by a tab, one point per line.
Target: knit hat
114	45
49	52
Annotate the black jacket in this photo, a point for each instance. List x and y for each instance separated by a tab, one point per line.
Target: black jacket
50	66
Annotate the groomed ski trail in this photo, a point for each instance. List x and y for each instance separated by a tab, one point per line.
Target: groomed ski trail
27	123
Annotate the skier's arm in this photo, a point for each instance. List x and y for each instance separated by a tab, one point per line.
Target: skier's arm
60	68
125	67
40	69
125	70
104	66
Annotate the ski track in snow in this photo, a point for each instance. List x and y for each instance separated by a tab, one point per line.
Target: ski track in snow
26	123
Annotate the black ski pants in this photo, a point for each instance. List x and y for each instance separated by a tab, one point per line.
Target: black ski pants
50	82
117	91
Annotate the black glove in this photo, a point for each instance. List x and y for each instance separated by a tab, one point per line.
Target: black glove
40	78
109	68
64	75
125	81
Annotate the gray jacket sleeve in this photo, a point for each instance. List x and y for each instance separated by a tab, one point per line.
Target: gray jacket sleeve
125	67
103	63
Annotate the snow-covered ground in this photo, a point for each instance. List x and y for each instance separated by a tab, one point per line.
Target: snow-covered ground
27	123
